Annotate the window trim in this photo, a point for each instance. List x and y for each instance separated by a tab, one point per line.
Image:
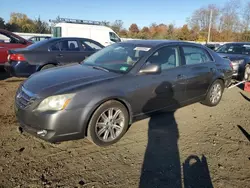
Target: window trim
111	32
91	41
193	46
60	50
171	45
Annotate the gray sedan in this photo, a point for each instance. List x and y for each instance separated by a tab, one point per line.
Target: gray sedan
117	86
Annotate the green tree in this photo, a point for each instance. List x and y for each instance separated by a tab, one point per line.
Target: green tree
2	23
184	33
41	26
24	23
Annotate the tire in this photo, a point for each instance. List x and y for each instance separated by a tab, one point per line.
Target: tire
246	76
48	66
212	91
105	128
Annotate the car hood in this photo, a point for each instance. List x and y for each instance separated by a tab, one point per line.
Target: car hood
233	57
65	79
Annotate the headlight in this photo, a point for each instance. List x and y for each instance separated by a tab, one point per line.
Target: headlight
55	103
238	61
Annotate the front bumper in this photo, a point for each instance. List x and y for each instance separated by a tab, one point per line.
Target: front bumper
59	126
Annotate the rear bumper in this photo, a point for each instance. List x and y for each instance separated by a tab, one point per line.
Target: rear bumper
19	69
9	69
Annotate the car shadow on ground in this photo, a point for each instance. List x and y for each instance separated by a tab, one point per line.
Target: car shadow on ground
246	134
161	166
245	97
4	76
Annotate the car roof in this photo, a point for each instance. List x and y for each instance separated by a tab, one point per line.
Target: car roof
230	43
152	43
68	38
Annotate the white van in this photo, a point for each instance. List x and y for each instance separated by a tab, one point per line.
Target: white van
94	30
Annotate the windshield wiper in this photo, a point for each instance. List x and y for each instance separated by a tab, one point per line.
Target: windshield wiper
100	68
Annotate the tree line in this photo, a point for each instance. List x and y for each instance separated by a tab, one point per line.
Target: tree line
230	22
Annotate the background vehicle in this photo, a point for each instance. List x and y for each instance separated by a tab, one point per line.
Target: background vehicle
118	85
94	30
9	40
239	55
212	46
49	53
38	38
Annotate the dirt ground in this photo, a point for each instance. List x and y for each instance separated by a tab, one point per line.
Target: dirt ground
194	147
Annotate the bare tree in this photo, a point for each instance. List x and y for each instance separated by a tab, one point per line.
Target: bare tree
230	20
246	16
201	17
117	26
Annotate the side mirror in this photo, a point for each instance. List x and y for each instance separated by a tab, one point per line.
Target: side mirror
151	69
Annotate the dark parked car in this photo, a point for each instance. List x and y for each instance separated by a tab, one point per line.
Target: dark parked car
212	46
117	86
49	53
239	55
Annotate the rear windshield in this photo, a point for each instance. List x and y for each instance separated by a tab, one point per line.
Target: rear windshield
37	44
234	49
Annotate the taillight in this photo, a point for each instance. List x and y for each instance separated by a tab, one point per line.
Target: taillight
231	65
17	57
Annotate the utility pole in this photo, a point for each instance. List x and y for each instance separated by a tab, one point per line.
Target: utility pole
210	25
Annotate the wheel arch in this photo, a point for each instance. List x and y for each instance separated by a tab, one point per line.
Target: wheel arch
215	79
115	98
49	63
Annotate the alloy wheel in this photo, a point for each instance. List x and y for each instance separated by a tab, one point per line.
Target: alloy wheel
247	73
216	93
110	124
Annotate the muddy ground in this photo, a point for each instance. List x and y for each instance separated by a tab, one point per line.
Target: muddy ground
197	146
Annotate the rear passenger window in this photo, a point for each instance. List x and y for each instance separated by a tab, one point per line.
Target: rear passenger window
196	55
67	45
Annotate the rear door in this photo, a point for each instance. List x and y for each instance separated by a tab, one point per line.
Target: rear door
66	51
200	68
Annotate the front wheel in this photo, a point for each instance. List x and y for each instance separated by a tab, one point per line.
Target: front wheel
214	94
108	123
247	73
48	66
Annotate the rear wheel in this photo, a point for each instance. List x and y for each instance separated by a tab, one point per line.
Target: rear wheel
247	73
214	94
48	66
108	123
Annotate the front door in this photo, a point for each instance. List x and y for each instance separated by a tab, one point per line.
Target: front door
199	72
162	90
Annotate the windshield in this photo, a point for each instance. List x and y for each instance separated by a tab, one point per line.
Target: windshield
234	49
118	57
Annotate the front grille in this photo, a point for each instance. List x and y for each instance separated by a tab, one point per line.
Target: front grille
24	98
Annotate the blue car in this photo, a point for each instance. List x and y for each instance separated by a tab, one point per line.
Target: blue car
239	55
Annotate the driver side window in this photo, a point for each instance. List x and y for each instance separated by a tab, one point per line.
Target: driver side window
166	57
113	37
